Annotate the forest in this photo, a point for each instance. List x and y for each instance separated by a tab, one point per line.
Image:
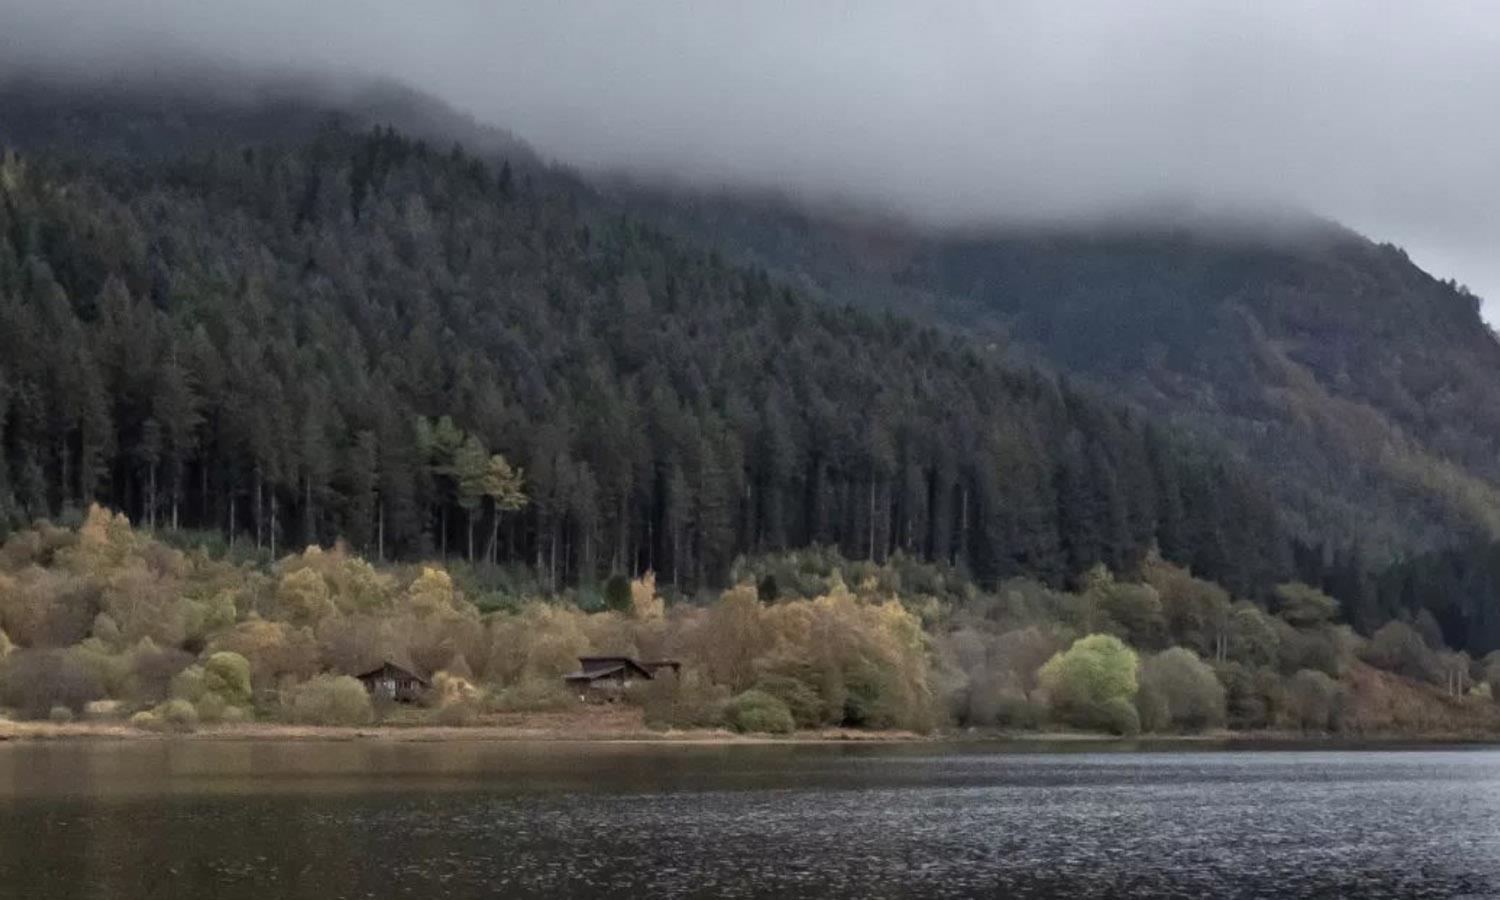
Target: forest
1362	389
353	338
427	355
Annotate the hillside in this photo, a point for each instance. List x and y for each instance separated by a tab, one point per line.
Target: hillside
347	324
1364	390
357	336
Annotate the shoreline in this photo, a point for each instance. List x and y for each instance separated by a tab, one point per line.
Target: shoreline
72	732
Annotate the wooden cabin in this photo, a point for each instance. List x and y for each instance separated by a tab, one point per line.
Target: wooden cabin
391	682
605	678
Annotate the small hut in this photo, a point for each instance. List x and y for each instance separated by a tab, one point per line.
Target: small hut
605	678
391	682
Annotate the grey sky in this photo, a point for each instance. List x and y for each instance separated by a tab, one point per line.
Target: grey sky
1385	116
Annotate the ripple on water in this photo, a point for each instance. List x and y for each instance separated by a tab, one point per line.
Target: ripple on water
1079	825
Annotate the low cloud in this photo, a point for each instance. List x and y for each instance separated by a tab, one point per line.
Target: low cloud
1379	115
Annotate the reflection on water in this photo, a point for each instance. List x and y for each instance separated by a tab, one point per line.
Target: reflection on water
374	819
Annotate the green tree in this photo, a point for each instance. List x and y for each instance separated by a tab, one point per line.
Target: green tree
1304	606
1179	690
1092	682
617	595
471	472
505	487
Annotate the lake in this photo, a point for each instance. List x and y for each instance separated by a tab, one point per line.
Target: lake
376	819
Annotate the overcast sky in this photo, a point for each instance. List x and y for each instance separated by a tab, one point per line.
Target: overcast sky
1385	116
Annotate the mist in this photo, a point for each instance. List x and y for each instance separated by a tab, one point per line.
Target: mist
1378	115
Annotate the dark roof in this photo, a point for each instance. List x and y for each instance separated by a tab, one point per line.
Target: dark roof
596	667
389	669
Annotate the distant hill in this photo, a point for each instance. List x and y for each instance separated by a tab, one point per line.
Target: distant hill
172	113
1364	389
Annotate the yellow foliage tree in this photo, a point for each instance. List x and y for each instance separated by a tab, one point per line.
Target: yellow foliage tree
645	604
303	596
431	592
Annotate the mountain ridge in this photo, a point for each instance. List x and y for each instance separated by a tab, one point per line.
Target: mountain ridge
1266	342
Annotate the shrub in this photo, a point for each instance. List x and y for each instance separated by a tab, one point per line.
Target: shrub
34	681
1180	690
227	675
152	669
768	589
534	695
1312	699
102	710
1398	647
456	699
1083	682
617	593
1117	715
329	700
211	708
758	711
178	715
236	715
689	702
1304	606
801	699
188	684
60	714
1155	714
1310	648
1253	698
146	720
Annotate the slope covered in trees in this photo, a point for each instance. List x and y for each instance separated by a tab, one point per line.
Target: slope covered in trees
354	336
1364	390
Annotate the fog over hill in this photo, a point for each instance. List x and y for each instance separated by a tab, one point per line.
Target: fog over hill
949	113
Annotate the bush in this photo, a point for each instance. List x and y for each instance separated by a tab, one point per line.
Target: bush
1117	715
152	669
617	593
768	589
534	695
801	699
237	715
35	681
1304	606
60	714
1180	690
1398	647
211	708
102	710
227	675
1312	700
689	702
146	720
329	700
1084	682
758	711
1155	714
1253	697
178	715
456	714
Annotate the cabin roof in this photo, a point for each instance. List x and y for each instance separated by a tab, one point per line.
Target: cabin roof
597	667
389	669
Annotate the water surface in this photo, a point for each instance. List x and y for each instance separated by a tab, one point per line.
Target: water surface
369	819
